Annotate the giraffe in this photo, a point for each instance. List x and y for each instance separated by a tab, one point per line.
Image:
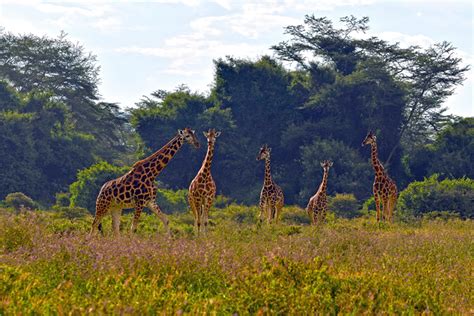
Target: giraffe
385	189
271	197
136	189
202	190
318	204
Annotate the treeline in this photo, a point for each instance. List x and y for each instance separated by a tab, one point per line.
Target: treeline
314	100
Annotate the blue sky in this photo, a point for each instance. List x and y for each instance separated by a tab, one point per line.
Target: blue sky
143	46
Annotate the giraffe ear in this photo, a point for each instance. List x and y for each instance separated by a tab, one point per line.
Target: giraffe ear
180	132
218	134
330	164
322	164
205	134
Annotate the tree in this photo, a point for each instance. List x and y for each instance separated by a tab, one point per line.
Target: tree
39	145
450	155
427	76
63	69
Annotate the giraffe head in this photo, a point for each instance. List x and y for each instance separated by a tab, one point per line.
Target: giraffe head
369	139
264	152
326	164
188	135
211	135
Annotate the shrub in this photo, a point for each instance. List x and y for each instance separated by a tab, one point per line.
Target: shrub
431	194
344	205
441	215
73	212
172	201
62	199
18	200
89	181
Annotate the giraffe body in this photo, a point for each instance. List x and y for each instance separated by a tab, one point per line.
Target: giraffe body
202	190
317	206
271	196
384	188
137	189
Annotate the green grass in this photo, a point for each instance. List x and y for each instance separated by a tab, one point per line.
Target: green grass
49	265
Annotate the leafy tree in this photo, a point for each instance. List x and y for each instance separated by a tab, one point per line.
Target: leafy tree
17	200
427	77
39	145
63	69
450	155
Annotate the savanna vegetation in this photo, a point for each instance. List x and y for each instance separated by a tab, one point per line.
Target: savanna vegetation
313	100
49	265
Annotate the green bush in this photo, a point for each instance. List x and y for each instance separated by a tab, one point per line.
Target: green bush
17	200
89	181
344	205
454	195
172	201
63	199
73	212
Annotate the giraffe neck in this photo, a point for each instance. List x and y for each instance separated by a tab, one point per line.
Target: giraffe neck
157	161
324	182
268	174
206	164
375	160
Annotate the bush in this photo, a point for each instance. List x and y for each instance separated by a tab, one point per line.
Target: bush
344	205
89	181
62	199
73	212
172	201
455	195
18	200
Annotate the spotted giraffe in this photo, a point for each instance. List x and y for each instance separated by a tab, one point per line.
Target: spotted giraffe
385	189
136	189
317	205
202	190
271	197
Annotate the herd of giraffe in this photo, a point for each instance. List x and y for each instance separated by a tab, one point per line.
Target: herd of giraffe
137	189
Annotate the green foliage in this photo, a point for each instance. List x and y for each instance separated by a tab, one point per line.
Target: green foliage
17	200
450	155
350	173
452	195
62	199
72	212
172	201
344	205
85	189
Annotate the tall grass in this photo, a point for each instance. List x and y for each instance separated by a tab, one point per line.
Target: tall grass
50	265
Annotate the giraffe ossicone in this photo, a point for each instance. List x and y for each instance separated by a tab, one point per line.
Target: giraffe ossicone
271	196
202	190
136	189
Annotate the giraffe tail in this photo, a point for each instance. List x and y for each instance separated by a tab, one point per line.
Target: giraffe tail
99	227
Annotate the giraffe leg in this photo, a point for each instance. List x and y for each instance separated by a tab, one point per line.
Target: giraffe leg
136	217
194	209
156	209
96	225
377	206
207	207
393	203
262	211
116	213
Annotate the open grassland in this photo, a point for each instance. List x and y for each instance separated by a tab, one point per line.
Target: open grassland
49	265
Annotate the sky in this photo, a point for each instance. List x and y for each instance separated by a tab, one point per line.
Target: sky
143	46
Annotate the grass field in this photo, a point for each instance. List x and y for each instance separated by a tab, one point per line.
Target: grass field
49	265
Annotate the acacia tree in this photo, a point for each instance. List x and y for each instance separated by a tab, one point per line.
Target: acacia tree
427	76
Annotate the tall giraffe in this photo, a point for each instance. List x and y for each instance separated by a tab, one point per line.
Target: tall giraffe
136	189
385	189
318	204
271	197
202	190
